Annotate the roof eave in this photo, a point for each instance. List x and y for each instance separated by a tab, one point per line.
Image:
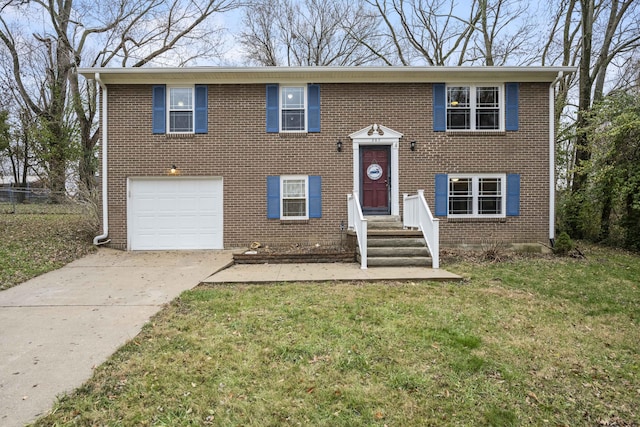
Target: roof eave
256	75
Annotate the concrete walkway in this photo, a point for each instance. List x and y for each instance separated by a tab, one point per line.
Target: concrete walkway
56	328
350	272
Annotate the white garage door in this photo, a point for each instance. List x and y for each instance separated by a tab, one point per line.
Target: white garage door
175	213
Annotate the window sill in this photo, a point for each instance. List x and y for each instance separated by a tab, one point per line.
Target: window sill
186	135
476	220
294	221
476	133
301	134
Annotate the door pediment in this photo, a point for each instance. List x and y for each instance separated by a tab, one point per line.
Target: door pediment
376	134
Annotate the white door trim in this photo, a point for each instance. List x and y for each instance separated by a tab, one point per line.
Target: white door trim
381	136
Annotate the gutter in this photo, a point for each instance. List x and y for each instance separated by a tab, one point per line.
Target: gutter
330	74
105	211
552	160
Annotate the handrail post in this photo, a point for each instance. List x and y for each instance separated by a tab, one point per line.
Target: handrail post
358	223
417	214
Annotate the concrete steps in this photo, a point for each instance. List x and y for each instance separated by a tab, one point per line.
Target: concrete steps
389	245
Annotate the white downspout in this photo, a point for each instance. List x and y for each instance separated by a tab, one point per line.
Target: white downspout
105	210
552	159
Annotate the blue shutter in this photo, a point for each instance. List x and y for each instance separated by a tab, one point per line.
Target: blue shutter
439	107
513	194
159	113
273	121
511	109
201	110
313	108
273	197
442	194
315	196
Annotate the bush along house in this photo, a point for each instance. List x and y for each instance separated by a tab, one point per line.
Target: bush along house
211	158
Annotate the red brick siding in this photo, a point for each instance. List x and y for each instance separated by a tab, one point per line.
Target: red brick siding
238	148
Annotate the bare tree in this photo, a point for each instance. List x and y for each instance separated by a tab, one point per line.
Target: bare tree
609	30
17	125
600	38
505	34
309	33
96	33
428	31
442	32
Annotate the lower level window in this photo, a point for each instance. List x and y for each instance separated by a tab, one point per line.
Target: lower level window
294	197
477	195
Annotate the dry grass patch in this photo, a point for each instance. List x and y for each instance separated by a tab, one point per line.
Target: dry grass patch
32	244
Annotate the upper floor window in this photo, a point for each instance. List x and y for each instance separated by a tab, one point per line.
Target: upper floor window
474	107
292	108
180	109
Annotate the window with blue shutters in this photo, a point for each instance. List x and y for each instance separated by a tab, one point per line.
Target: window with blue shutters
475	107
477	195
294	197
293	108
180	109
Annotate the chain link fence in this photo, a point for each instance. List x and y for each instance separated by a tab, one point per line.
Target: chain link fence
16	200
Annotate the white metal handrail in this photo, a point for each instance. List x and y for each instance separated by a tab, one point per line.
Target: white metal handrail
358	223
417	214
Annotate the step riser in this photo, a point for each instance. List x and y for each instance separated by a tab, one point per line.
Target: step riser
397	252
396	243
384	225
397	262
390	245
384	222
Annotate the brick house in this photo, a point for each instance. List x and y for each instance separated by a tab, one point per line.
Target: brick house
221	157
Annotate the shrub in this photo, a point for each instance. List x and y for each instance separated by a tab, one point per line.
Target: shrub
563	244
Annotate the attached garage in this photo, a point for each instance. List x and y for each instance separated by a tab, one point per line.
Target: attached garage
175	213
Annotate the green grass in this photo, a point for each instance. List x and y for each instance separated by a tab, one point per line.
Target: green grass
32	244
530	341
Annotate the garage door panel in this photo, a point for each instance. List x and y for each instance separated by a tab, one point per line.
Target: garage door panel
175	213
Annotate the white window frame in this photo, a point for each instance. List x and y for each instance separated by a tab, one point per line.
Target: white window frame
281	108
193	109
475	190
284	178
473	107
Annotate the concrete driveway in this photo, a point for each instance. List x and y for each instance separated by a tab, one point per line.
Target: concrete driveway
56	328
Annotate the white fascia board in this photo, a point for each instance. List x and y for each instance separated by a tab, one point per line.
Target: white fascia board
259	75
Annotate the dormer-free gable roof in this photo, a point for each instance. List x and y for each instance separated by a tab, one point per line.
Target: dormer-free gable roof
253	75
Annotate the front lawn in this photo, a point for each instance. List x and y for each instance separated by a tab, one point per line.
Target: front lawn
35	243
528	341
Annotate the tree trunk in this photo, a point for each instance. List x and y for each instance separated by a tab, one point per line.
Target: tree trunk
605	217
584	94
632	223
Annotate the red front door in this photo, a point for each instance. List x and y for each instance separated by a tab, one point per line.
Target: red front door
374	173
